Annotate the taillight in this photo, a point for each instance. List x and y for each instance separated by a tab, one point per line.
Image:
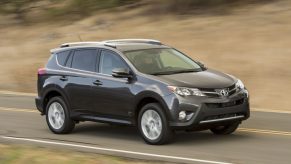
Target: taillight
41	71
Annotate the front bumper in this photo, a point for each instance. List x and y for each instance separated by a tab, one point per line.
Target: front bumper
208	112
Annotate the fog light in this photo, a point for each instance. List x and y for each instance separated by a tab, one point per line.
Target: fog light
182	115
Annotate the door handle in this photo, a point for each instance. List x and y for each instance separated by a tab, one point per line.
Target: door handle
98	82
64	78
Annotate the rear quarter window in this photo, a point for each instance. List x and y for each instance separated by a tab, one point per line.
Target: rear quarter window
62	57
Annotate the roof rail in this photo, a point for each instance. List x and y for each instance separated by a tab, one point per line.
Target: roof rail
149	41
79	44
111	43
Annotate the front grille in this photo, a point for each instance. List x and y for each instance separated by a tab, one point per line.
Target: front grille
226	104
215	92
232	89
222	116
210	94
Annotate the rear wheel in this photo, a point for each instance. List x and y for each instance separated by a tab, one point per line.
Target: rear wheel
153	125
57	116
225	129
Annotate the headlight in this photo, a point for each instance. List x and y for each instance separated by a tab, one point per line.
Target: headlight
239	84
182	91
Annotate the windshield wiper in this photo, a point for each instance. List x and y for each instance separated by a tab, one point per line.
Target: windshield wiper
161	73
175	72
186	70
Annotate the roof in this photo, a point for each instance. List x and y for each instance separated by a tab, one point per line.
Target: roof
120	44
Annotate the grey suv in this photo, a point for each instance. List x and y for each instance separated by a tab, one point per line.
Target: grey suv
138	82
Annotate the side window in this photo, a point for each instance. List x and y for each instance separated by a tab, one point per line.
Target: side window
109	61
62	57
85	60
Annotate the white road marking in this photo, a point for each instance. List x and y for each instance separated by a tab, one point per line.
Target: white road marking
263	131
19	110
252	109
240	129
270	110
114	150
17	93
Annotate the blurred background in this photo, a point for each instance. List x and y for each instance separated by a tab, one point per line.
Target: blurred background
247	38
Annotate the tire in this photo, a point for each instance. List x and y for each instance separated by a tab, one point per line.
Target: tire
58	116
153	125
225	130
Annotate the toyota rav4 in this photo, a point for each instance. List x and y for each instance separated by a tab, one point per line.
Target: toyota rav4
138	82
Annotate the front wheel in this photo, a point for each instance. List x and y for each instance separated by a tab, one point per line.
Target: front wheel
225	129
153	125
57	116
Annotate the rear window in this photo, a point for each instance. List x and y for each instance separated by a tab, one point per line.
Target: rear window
85	60
62	57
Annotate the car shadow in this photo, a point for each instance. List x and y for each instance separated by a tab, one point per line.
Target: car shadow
207	137
108	131
180	137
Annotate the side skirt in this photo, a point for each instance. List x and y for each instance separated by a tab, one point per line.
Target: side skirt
102	119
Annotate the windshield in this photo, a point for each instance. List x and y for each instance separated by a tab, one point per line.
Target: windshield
161	61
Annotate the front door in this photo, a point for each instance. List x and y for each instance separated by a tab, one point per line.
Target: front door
113	95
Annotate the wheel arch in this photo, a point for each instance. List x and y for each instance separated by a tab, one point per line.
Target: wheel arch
50	93
150	97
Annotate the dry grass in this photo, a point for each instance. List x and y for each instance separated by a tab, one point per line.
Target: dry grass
253	43
28	154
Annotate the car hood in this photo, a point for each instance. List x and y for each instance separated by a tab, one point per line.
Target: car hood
204	79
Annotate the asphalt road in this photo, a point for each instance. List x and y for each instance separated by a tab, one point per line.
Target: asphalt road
264	138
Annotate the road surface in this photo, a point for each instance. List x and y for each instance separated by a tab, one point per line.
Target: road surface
264	138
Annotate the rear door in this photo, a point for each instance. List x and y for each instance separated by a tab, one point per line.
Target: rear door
82	66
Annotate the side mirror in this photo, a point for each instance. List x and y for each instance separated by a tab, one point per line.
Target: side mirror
121	73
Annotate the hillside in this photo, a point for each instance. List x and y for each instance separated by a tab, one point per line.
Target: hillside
251	42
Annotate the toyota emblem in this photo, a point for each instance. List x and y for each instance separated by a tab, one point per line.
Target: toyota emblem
223	92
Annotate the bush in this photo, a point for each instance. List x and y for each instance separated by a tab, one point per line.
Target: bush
86	7
186	6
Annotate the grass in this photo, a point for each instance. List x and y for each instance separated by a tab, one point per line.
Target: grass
29	154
